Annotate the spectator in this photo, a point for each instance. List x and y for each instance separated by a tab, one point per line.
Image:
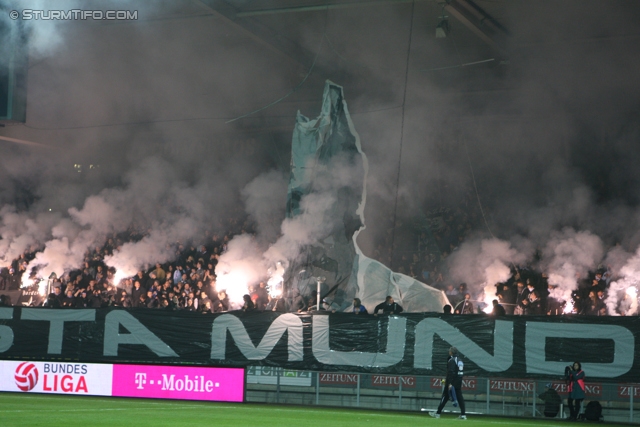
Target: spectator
594	306
388	306
507	298
498	310
248	304
189	305
522	295
69	300
150	301
358	308
278	305
452	294
297	303
551	400
124	300
95	298
177	274
534	305
262	296
54	299
81	299
208	308
575	379
160	274
223	302
465	306
136	293
59	295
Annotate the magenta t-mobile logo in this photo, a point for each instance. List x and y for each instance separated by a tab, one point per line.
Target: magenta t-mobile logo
141	380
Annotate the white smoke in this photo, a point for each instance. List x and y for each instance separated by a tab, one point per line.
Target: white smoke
622	297
21	232
177	199
265	198
481	264
568	256
171	211
240	266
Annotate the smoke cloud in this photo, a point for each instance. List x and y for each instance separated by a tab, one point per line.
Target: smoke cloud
483	263
134	113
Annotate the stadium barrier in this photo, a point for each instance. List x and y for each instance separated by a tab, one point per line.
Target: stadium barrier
261	384
497	396
337	359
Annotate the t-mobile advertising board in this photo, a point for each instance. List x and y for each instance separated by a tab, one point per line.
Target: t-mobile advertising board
178	382
149	381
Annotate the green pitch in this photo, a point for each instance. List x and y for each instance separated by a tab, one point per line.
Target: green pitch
32	410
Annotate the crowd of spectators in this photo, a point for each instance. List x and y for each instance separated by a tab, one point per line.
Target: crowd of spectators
527	292
189	282
437	233
186	283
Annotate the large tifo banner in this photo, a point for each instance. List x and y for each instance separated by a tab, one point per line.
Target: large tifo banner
512	347
91	379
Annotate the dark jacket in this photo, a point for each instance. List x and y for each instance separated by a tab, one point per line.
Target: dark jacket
576	384
455	371
552	401
388	308
498	310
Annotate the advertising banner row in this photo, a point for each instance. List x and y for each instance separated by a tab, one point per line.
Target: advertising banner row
531	347
144	381
228	384
476	385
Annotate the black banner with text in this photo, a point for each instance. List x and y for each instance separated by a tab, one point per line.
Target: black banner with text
416	344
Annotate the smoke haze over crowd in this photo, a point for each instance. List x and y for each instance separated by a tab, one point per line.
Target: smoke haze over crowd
540	137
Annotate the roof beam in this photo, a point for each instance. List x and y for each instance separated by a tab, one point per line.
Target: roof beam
262	33
479	22
319	7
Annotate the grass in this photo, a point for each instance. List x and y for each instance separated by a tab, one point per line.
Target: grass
32	410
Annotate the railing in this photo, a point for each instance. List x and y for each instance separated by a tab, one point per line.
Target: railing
492	396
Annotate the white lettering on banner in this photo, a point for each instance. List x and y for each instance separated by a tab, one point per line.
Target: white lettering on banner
396	332
198	385
393	381
625	390
561	387
139	334
329	378
594	390
469	384
6	333
437	382
289	323
489	357
56	319
538	332
141	380
511	385
590	389
501	360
